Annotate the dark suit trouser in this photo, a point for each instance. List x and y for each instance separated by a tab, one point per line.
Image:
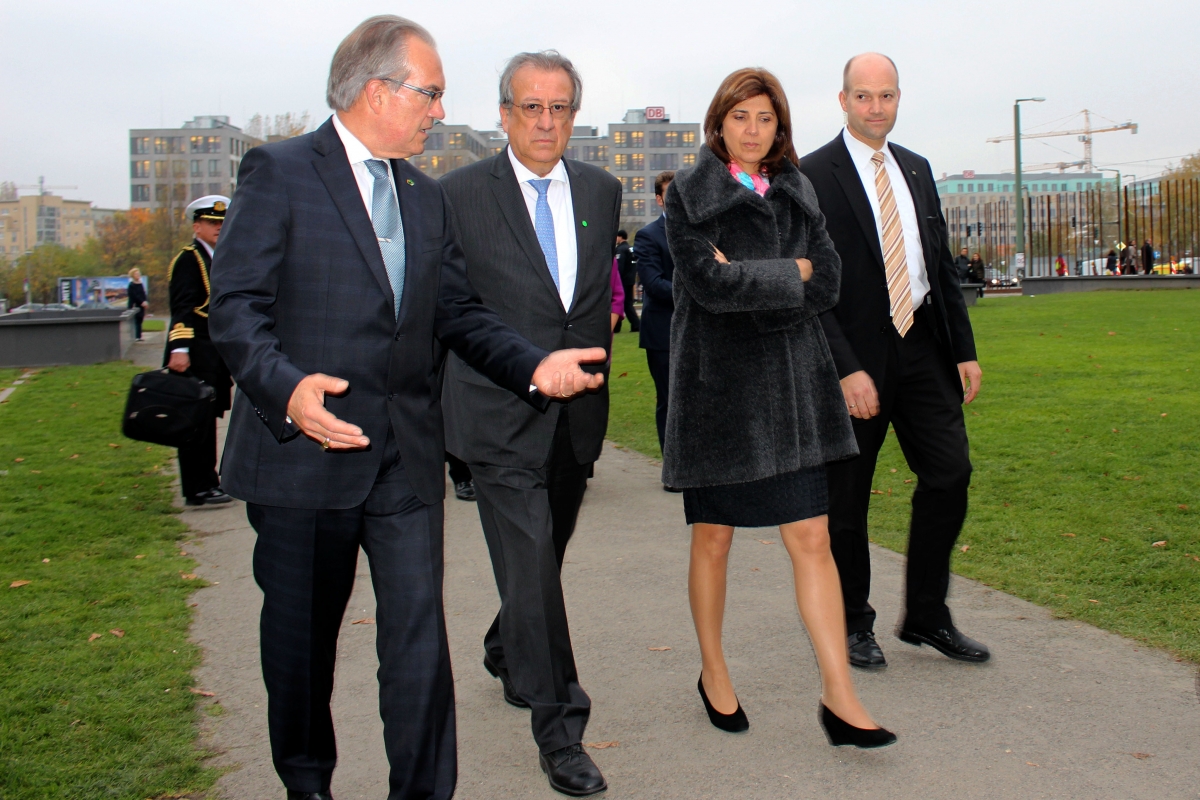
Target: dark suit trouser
923	403
305	561
198	463
630	311
659	362
528	516
459	471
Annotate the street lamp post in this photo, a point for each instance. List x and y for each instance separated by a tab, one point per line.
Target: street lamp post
1019	250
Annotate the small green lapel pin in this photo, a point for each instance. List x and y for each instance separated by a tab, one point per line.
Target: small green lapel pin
584	223
410	182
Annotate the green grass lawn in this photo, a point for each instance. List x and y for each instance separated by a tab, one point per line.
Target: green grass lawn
1086	447
154	325
95	661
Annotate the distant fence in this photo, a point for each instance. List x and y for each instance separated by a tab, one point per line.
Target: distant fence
1083	226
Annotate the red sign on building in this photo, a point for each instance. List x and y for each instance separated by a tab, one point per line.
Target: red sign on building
655	113
968	173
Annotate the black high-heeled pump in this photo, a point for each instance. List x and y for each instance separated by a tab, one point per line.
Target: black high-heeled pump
730	723
841	733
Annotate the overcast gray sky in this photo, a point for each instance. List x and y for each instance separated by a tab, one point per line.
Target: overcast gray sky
78	75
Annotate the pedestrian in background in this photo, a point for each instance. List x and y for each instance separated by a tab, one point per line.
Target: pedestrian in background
136	299
618	297
750	428
624	255
1110	262
1128	260
1060	265
962	266
656	270
1147	257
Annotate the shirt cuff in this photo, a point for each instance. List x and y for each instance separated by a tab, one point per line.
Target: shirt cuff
183	350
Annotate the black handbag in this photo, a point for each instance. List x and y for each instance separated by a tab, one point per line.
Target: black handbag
167	408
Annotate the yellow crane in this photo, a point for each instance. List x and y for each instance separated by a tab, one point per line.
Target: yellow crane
1085	135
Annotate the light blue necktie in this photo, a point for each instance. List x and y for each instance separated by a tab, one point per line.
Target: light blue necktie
543	223
389	229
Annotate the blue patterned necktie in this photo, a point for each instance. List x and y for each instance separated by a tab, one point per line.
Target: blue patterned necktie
543	223
389	229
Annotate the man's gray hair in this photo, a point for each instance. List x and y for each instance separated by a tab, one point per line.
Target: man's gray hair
850	63
546	61
378	48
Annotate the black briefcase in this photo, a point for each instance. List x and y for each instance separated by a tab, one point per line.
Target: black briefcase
167	408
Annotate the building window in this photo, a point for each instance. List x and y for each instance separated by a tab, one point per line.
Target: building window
179	169
960	187
140	193
168	145
214	144
436	141
991	187
661	161
620	139
1006	187
160	193
233	168
214	168
197	190
196	171
633	185
572	152
620	162
636	138
689	159
160	169
458	141
215	188
689	138
139	169
633	208
637	161
198	144
596	153
664	139
139	145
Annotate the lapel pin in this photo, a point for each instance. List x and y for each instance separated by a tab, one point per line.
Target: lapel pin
584	223
410	181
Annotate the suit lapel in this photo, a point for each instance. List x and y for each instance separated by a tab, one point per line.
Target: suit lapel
335	172
410	215
512	204
856	194
582	211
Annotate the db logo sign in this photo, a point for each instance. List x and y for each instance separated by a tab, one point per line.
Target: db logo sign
656	113
968	174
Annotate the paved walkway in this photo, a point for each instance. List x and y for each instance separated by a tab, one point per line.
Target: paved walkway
1064	710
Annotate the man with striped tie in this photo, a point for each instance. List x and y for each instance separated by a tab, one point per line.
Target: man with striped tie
537	231
902	344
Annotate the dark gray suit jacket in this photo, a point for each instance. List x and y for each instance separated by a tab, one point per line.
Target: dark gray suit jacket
484	423
299	286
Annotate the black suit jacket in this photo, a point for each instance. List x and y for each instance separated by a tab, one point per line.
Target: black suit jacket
656	269
299	286
483	424
188	294
858	327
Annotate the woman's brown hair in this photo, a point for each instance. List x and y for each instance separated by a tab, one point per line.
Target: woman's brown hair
737	88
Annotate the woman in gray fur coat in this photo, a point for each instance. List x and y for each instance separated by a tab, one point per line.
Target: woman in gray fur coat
756	408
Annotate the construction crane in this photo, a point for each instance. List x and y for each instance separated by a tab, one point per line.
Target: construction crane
1085	135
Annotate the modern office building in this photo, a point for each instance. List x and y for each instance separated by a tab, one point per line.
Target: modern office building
634	150
170	167
33	219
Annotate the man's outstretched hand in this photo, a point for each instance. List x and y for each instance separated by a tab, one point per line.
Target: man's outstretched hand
560	376
307	412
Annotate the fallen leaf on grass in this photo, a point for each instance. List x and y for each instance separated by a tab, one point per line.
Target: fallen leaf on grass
1116	430
1112	333
1097	602
45	561
18	460
1068	535
1105	539
75	455
891	470
658	649
1163	414
1142	755
876	491
1160	543
600	745
201	692
1182	507
1060	595
188	576
364	621
965	548
764	541
19	584
36	471
139	556
623	375
908	480
1006	505
110	444
117	632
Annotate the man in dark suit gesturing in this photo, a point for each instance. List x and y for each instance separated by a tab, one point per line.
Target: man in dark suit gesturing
902	344
537	231
338	287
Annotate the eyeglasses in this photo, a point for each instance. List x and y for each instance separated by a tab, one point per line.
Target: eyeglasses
535	110
433	95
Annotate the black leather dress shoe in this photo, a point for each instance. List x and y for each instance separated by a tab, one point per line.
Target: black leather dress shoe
294	795
213	497
510	694
465	490
950	642
572	772
864	651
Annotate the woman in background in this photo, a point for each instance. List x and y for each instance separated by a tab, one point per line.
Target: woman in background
137	299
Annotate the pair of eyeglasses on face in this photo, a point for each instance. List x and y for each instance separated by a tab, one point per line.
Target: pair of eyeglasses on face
433	94
535	110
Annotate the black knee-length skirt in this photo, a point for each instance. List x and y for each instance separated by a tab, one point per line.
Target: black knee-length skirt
764	503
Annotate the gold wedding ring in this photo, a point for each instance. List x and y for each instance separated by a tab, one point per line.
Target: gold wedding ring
852	405
325	444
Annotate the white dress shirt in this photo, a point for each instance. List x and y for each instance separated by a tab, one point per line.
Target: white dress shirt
914	255
558	195
358	155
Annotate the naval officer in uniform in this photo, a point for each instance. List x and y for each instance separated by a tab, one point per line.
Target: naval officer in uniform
189	349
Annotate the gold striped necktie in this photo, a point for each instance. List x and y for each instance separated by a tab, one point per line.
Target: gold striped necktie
894	261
